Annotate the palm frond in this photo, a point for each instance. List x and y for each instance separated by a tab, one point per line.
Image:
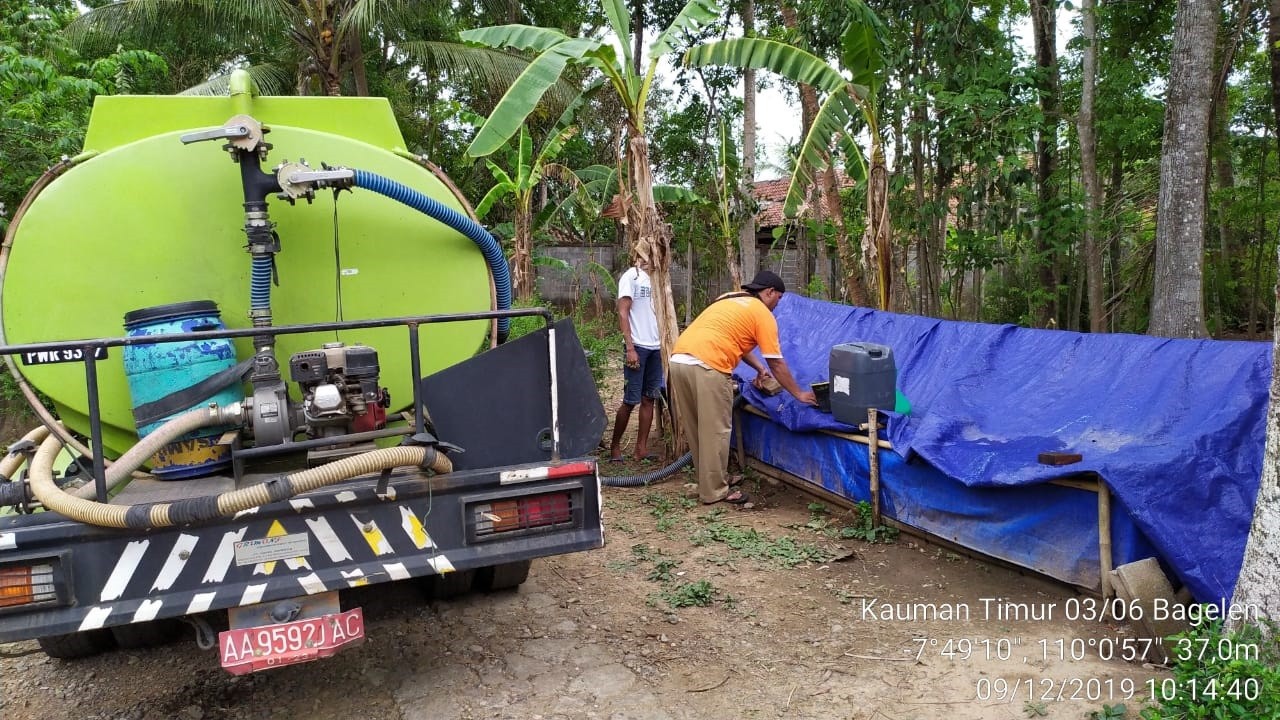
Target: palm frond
492	69
271	79
144	19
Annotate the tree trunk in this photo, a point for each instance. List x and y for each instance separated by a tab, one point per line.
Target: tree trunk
1044	28
637	35
1177	303
649	237
1257	585
928	257
877	241
1094	278
748	252
358	74
522	275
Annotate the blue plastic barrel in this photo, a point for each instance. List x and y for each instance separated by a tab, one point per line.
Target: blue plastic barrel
158	370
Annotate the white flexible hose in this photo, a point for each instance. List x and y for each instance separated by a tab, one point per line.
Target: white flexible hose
159	515
11	463
148	446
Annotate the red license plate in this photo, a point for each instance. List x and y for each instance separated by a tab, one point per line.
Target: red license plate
251	649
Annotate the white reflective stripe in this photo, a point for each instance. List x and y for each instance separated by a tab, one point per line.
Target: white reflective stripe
374	537
296	563
301	504
8	541
355	578
222	558
242	513
123	571
440	564
329	540
201	602
96	618
396	571
252	594
414	529
147	611
518	476
555	392
177	560
345	496
312	584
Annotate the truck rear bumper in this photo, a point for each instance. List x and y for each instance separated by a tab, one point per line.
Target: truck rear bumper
344	536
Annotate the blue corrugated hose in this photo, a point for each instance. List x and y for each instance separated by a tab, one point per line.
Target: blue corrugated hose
475	231
260	283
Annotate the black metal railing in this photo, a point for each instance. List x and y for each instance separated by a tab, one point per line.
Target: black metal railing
88	350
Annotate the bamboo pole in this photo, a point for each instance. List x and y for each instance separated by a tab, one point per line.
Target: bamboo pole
1104	537
873	463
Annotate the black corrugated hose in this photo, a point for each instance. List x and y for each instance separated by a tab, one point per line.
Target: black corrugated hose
656	475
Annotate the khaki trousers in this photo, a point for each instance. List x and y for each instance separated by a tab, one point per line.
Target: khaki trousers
704	409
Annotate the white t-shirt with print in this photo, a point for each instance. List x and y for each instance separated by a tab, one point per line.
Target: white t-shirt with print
635	284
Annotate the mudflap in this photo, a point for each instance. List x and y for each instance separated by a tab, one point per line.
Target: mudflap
496	406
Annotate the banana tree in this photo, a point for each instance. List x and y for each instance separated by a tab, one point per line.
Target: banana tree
847	109
554	51
520	183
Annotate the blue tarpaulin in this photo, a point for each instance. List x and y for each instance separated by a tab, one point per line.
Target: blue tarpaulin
1174	427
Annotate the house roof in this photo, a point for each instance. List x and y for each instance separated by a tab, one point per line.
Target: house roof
771	194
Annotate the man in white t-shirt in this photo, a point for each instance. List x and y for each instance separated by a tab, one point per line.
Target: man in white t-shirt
642	369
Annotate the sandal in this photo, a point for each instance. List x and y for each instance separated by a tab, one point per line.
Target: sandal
733	480
740	499
651	457
616	460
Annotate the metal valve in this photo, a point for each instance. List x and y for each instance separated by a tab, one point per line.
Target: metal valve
241	132
299	180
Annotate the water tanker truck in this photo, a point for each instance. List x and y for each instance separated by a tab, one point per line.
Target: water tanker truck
274	381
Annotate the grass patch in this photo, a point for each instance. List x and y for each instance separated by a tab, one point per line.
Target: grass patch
751	543
861	529
691	594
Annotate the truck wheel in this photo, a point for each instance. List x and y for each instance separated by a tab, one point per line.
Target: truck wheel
77	644
452	585
507	576
147	634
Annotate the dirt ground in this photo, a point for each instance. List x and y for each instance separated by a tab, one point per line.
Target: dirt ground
595	635
687	612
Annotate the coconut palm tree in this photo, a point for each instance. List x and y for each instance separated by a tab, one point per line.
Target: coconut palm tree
315	45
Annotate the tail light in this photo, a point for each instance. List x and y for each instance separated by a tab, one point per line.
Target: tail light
524	513
26	585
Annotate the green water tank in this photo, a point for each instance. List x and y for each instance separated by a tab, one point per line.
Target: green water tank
144	220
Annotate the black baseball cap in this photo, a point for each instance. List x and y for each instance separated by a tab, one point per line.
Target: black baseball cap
765	279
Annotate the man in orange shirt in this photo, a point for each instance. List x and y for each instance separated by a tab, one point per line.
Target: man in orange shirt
704	356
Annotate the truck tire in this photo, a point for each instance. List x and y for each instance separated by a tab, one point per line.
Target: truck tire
452	584
507	576
77	644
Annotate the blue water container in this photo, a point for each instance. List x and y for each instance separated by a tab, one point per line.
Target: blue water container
158	370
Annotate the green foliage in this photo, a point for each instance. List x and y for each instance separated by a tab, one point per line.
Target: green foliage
1109	712
1220	674
47	89
690	594
751	543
